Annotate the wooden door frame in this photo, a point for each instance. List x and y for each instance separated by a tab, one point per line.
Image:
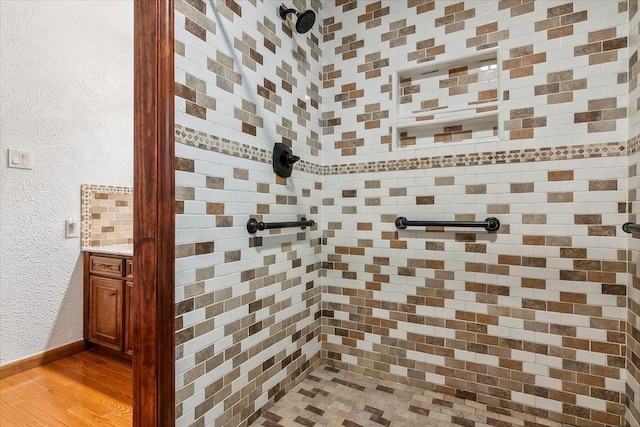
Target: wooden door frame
154	215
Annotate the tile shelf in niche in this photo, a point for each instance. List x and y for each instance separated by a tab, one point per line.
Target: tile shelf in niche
446	113
448	101
481	127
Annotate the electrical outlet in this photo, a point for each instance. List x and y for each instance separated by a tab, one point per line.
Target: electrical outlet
71	229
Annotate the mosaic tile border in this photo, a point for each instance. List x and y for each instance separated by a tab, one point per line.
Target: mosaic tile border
633	145
610	149
188	136
203	140
86	194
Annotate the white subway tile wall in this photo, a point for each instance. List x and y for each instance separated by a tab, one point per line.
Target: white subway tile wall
540	317
248	315
633	324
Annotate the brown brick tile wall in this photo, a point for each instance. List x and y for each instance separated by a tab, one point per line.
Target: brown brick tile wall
436	302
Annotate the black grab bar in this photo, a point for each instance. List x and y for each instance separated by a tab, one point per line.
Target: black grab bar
489	224
254	225
630	227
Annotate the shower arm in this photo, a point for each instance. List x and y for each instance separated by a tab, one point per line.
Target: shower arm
284	12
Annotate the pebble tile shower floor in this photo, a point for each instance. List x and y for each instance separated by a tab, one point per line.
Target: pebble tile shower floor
334	397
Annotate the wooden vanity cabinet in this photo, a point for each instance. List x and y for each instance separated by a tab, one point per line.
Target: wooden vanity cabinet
108	297
128	321
105	312
128	310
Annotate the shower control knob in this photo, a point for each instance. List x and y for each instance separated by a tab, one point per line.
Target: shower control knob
283	160
290	159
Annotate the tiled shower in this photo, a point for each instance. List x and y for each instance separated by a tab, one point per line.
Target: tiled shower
526	111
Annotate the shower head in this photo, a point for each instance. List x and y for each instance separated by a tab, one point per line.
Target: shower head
305	19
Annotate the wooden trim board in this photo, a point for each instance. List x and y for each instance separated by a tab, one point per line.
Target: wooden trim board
40	359
154	215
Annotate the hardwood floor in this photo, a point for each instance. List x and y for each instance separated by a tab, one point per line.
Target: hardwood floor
86	389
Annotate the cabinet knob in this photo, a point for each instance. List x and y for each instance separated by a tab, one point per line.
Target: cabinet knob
112	293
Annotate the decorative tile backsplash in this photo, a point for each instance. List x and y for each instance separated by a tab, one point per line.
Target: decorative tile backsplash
107	215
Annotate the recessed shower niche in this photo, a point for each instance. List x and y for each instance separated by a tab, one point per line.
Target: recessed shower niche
448	101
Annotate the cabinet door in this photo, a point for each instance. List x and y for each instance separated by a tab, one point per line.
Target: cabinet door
128	322
105	312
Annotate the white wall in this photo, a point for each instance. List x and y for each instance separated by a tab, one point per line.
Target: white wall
66	96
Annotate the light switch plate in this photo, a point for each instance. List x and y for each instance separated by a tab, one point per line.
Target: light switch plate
19	159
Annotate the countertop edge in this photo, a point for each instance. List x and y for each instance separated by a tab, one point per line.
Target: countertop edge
122	250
